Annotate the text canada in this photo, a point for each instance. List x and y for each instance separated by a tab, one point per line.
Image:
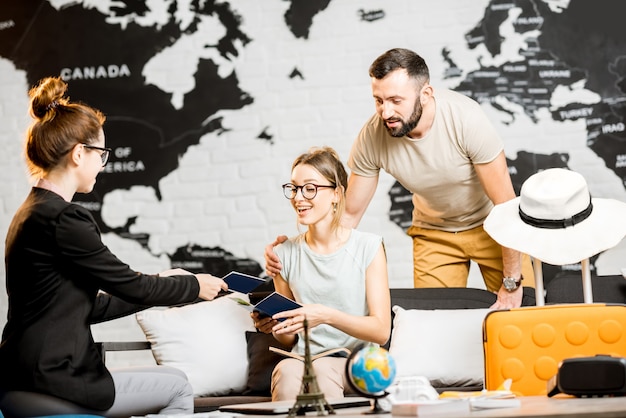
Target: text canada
95	72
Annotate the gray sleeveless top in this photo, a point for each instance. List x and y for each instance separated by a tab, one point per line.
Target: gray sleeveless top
336	280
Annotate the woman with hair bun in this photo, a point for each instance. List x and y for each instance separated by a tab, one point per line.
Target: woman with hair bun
61	278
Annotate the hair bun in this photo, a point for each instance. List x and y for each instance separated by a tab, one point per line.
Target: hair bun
52	105
46	96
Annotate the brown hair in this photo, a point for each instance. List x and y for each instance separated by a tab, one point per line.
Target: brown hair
400	58
327	162
58	126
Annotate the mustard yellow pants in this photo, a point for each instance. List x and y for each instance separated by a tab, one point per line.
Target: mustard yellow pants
442	259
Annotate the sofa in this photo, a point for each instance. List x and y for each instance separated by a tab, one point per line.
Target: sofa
227	361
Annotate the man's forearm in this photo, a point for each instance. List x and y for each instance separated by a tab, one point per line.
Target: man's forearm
512	263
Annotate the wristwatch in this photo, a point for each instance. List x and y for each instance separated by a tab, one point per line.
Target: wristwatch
511	284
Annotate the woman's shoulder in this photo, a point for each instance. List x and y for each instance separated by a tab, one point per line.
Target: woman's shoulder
64	215
366	236
290	243
365	245
73	212
296	239
53	205
366	241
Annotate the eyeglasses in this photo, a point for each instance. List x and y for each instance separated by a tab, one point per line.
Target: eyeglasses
309	190
105	152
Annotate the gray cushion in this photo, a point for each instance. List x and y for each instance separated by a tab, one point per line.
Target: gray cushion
567	287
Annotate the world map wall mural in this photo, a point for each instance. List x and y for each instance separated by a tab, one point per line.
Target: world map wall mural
208	102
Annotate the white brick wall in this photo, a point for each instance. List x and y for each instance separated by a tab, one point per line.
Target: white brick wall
226	191
13	179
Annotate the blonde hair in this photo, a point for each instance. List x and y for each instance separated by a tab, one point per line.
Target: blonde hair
327	162
58	125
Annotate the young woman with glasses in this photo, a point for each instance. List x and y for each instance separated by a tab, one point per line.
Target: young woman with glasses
56	268
339	275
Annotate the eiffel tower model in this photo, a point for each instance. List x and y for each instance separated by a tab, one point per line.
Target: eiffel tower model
310	393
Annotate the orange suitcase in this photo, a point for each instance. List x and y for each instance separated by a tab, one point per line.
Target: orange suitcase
527	344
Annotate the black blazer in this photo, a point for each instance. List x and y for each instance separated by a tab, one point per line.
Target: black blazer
56	265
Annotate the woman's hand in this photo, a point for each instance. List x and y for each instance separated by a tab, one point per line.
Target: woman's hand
264	324
315	315
210	286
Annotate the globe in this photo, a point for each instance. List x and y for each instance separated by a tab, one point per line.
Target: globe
370	370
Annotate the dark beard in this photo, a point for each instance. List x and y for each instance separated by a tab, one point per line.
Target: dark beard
409	125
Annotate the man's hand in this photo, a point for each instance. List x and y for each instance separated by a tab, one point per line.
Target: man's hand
272	262
508	300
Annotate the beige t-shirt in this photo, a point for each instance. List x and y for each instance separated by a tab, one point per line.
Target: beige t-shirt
437	168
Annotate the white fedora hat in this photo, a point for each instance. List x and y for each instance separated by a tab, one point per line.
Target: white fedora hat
556	221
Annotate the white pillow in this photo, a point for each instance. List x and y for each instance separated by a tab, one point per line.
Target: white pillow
444	345
206	340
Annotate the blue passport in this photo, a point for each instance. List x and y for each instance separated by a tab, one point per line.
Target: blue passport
270	305
241	282
275	303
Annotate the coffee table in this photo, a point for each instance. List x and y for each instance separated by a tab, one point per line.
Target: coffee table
544	407
532	407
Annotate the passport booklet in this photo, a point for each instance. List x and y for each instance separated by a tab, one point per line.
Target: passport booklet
270	305
241	282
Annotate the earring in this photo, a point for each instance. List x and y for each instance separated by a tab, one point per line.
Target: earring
334	207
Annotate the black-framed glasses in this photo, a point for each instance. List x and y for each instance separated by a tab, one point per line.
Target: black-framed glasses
105	152
309	190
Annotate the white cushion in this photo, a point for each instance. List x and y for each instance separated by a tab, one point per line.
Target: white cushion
443	345
206	340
